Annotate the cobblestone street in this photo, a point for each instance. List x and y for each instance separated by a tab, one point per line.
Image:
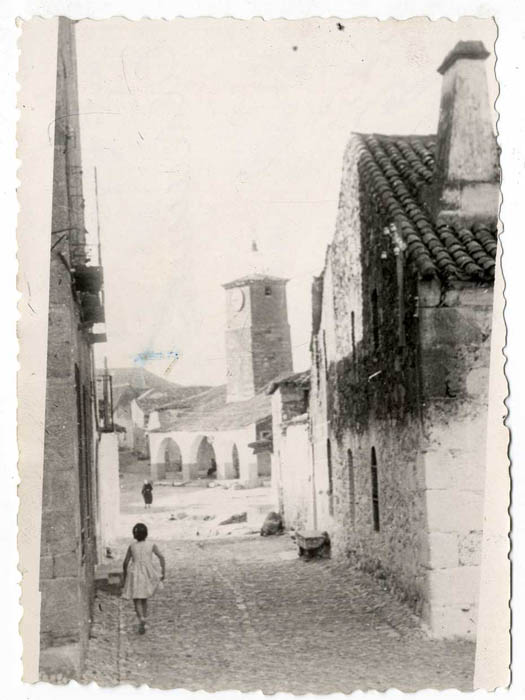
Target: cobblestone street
247	614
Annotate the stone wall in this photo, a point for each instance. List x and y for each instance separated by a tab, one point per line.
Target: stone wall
398	411
67	552
258	341
373	396
455	351
384	539
271	345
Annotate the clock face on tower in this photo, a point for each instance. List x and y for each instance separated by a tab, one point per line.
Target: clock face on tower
237	299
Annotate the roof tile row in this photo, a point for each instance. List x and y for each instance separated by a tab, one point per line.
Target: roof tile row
395	170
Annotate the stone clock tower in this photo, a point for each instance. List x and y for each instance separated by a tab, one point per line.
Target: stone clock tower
258	346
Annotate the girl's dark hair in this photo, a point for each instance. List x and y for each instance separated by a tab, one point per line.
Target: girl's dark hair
140	532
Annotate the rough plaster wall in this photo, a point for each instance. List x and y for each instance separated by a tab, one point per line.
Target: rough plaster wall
277	483
108	489
319	432
296	475
292	481
123	418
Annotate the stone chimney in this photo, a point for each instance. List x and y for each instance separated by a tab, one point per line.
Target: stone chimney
467	177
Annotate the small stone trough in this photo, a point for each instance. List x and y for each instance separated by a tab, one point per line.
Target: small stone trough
313	544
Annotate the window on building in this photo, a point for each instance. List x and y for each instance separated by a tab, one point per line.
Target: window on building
351	484
306	399
375	490
375	320
268	291
330	477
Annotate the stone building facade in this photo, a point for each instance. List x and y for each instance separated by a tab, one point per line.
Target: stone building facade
293	475
258	345
400	353
227	430
72	428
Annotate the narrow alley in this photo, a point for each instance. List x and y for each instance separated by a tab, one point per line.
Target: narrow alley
246	613
269	312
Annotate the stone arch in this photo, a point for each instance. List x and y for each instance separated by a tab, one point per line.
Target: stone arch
203	456
170	453
166	455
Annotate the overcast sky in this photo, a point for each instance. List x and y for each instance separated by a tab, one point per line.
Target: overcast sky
208	134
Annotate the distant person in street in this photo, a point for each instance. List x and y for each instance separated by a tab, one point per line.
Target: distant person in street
141	579
147	494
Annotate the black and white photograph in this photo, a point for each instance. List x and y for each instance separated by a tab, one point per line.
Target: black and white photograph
263	329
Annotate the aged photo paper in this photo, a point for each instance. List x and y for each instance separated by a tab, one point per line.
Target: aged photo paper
261	388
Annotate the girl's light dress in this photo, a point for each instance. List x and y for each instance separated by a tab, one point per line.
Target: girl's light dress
142	579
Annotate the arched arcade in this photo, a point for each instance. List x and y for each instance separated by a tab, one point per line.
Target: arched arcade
221	455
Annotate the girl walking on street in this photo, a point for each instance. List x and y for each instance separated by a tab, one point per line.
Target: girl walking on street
141	579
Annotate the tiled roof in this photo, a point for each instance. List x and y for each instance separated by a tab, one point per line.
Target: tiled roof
210	412
397	171
300	379
124	394
255	277
155	398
